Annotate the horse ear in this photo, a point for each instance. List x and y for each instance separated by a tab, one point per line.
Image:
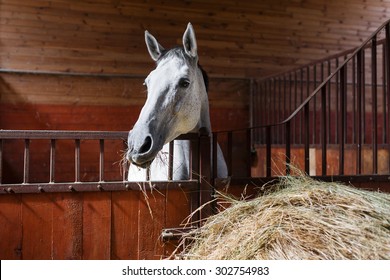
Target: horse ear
189	41
154	48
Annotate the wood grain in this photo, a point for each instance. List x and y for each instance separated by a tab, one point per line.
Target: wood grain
235	39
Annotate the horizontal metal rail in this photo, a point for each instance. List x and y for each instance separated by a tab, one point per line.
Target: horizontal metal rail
77	185
95	186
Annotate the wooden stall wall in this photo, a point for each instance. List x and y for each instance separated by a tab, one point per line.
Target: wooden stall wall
117	225
237	40
84	39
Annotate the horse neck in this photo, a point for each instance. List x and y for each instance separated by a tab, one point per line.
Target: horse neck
204	120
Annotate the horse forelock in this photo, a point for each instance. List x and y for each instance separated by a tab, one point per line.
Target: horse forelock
180	53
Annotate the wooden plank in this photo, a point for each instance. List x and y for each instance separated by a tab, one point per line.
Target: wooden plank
37	221
10	227
125	223
45	89
152	208
178	209
260	166
96	226
67	226
113	118
25	116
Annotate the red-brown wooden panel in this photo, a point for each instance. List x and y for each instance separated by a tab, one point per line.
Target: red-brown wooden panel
37	220
67	117
151	222
67	226
178	210
259	166
96	226
383	161
125	224
10	227
350	163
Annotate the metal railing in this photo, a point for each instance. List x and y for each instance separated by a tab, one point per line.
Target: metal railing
98	182
349	107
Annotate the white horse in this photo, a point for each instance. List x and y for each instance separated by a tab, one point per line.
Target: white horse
177	103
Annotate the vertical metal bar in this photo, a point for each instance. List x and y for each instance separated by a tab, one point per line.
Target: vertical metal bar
324	137
302	120
261	119
52	160
359	113
268	151
259	114
230	153
77	161
249	151
384	102
343	112
101	160
271	101
288	147
307	81
284	112
315	105
170	160
329	122
206	186
387	42
194	160
279	130
363	116
296	104
26	161
374	112
251	103
125	164
307	138
195	175
252	87
214	174
354	100
274	113
256	112
308	86
1	161
321	112
337	105
284	105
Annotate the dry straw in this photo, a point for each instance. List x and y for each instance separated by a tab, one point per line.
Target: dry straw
300	219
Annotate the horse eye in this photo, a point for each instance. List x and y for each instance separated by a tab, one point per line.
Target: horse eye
184	83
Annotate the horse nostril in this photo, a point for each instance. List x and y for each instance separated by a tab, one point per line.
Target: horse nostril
146	146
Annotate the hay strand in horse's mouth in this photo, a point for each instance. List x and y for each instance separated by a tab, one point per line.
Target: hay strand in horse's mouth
301	219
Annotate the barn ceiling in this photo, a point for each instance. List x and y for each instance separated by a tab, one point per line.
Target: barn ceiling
237	39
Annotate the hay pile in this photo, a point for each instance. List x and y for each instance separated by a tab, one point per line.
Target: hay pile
301	219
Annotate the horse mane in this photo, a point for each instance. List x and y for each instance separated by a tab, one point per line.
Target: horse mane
179	51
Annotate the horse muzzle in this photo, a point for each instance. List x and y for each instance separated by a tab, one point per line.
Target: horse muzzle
141	153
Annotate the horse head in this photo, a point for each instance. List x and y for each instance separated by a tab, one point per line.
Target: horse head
176	103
